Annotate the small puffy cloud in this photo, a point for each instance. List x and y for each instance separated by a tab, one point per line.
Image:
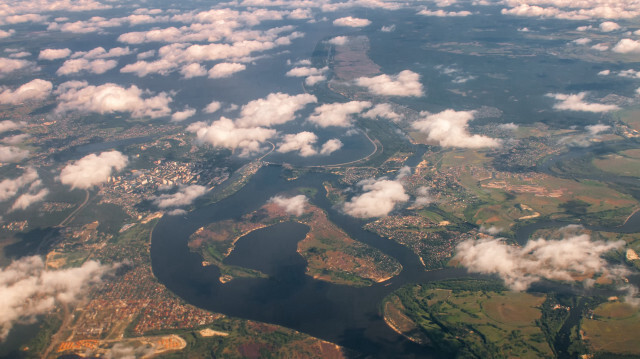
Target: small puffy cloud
192	70
493	230
146	54
54	54
600	47
508	126
449	128
390	28
185	196
339	40
8	66
566	259
314	79
110	98
350	21
305	71
92	170
12	154
378	200
4	34
8	125
609	26
382	110
101	53
19	55
29	289
214	106
604	73
74	66
581	41
331	146
597	129
27	199
34	90
226	134
183	115
442	13
300	14
337	114
302	142
292	205
423	197
406	83
15	139
10	187
225	69
627	46
575	102
275	109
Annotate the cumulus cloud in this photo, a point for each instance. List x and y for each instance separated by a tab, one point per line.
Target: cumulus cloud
92	170
331	146
10	187
183	115
28	289
350	21
4	34
54	54
74	66
8	66
185	196
337	114
573	10
609	26
225	69
405	83
275	109
600	47
15	139
582	41
292	205
109	98
627	46
302	142
34	90
423	197
382	110
226	134
12	154
565	259
101	53
192	70
339	40
508	126
597	129
442	13
314	79
378	200
8	125
575	102
390	28
449	128
312	75
214	106
27	199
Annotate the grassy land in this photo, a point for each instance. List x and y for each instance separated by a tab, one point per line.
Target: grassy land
625	163
471	319
614	328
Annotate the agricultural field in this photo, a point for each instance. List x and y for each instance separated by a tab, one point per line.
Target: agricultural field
613	328
625	163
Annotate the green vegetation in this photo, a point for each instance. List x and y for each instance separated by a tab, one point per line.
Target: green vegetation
471	319
613	328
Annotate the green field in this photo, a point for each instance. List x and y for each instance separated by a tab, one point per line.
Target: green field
614	328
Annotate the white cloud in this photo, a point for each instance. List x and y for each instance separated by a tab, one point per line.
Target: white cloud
575	102
225	69
314	79
292	205
101	53
92	170
8	66
565	259
609	26
185	196
17	19
15	139
449	128
337	114
306	71
331	146
12	154
74	66
224	133
378	200
604	73
600	47
8	125
28	289
627	46
382	110
573	10
493	230
27	199
339	40
350	21
596	129
4	34
442	13
193	70
582	41
109	98
10	187
54	54
183	115
214	106
302	142
390	28
423	198
34	90
146	54
275	109
405	83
